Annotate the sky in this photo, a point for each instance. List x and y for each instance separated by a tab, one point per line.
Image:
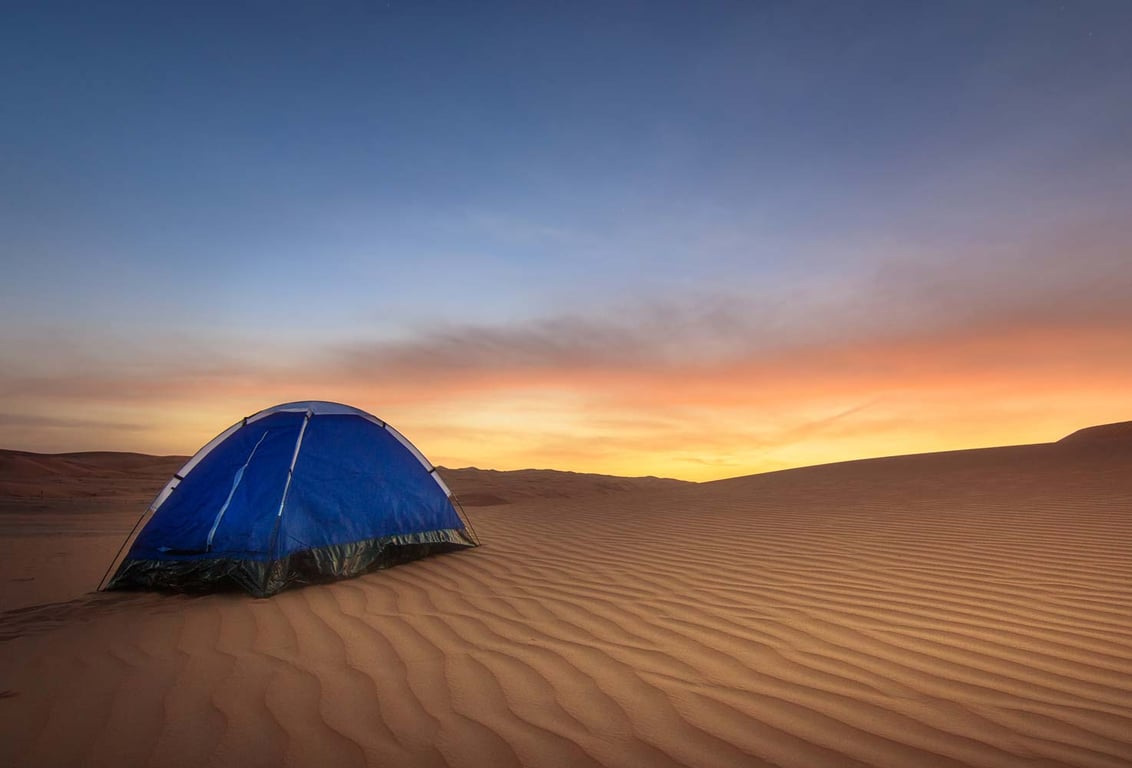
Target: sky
691	239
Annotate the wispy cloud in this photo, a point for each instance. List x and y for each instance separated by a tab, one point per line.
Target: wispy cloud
911	357
902	304
25	420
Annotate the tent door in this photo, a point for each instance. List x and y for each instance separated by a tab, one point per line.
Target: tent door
236	480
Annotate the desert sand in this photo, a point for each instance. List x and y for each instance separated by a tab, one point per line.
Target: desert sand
969	608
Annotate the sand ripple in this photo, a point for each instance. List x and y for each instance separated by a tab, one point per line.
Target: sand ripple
843	616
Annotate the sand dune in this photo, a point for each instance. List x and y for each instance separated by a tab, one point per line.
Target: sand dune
82	475
971	608
488	487
1106	434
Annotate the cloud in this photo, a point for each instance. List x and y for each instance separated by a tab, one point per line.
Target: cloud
956	308
638	335
24	420
990	347
1069	282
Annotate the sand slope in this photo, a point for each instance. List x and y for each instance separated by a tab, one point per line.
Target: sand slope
60	514
130	476
969	608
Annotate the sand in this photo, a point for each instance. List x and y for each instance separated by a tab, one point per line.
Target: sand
968	608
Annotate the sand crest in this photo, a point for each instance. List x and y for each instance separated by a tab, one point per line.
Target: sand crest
964	609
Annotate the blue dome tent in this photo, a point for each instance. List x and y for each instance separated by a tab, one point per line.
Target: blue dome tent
298	493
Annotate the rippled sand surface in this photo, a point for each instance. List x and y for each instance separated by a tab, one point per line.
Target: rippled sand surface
971	608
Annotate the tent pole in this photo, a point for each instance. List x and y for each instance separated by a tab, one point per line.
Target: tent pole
274	544
114	562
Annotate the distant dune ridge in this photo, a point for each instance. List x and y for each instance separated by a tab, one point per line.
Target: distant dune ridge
77	475
1107	434
967	608
487	487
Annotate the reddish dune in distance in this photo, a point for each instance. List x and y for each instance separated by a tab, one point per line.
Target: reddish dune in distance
489	487
967	608
1104	434
102	475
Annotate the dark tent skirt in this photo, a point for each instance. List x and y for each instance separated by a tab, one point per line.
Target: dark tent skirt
263	578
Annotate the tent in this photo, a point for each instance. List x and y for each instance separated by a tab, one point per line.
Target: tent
298	493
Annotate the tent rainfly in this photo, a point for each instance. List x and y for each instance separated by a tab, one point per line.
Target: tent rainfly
295	494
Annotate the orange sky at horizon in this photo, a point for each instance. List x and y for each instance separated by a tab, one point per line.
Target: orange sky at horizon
800	406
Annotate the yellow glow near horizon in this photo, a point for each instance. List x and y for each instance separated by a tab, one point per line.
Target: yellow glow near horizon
508	436
695	424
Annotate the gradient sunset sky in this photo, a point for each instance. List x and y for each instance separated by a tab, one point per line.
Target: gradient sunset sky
695	239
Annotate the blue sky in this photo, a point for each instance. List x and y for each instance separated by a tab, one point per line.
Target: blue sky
237	194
